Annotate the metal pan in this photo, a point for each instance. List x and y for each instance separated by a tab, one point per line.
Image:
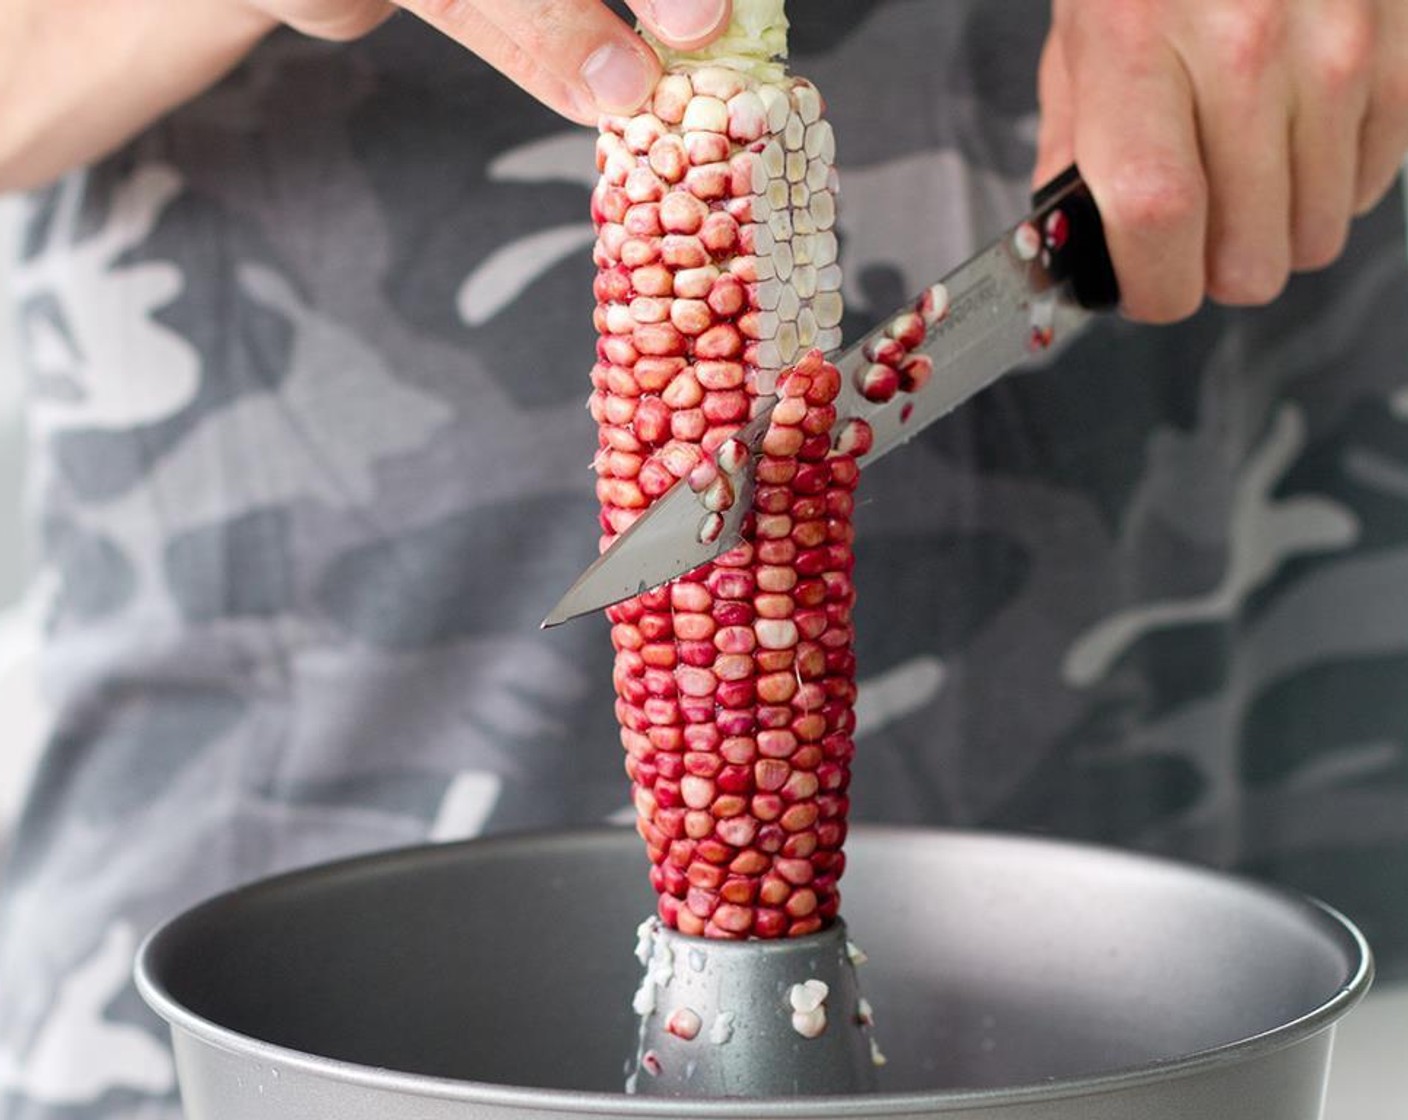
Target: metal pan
1012	979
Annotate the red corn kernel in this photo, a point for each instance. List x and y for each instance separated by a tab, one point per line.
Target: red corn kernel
766	807
681	212
777	688
879	383
668	159
644	185
774	660
774	717
819	420
731	583
718	375
801	786
776	579
735	779
733	667
733	613
735	919
721	341
719	233
706	147
885	351
727	406
652	280
825	386
769	924
708	181
688	424
618	350
809	728
771	774
613	285
705	876
797	872
777	553
691	316
915	372
642	225
800	845
701	903
909	329
735	639
800	816
739	891
812	478
775	471
774	605
782	443
772	499
699	654
774	890
655	479
776	744
738	751
789	412
727	297
714	850
737	694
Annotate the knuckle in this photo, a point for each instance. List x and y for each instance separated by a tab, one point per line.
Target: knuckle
1250	39
1343	51
1155	196
551	27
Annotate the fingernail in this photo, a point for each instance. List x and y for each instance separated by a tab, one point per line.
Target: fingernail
687	20
618	77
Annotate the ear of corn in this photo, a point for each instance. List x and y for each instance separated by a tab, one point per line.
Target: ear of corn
718	282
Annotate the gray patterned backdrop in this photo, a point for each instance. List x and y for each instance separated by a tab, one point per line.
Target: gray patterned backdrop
306	367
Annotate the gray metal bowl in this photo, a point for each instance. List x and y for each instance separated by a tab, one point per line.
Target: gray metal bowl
1012	978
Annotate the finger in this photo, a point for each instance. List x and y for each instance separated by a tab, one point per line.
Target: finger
684	24
1244	134
1136	142
350	20
1055	141
576	57
1384	137
1333	61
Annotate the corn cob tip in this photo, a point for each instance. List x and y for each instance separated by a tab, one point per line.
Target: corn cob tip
755	43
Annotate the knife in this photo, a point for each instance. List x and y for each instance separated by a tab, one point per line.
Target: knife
1014	303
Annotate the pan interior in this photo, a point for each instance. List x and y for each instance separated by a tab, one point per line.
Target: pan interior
993	961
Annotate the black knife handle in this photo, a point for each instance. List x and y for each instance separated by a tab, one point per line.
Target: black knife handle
1073	238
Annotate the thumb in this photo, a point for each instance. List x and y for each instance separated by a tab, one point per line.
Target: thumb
1055	141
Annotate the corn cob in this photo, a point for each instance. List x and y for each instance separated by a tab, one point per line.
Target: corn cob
718	283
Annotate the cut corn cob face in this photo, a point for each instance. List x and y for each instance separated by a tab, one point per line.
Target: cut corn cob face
718	282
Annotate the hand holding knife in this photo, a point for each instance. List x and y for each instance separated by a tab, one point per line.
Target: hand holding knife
1029	291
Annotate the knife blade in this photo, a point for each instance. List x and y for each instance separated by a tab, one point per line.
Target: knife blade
1012	304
